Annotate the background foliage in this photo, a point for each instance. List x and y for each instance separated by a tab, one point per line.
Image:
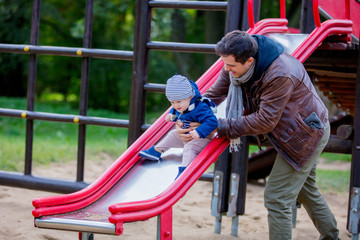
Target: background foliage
62	24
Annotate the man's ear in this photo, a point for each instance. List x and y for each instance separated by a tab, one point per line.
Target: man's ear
250	60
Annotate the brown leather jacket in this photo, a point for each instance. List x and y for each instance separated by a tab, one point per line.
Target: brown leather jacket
277	105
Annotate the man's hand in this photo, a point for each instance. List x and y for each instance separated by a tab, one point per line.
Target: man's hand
183	133
194	125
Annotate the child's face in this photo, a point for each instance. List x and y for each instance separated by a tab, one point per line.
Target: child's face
181	105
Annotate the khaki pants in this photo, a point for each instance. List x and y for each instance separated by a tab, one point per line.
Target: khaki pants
285	185
190	149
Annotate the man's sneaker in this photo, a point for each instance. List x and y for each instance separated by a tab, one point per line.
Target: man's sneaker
181	169
150	154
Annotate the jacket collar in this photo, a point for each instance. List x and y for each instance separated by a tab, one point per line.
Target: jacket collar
268	51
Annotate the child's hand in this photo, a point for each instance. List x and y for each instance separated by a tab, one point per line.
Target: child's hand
168	118
194	134
179	123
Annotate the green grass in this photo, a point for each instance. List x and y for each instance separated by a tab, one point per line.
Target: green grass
332	157
55	141
12	152
333	180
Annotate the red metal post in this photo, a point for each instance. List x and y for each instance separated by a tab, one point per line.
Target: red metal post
250	9
316	13
166	224
347	9
282	9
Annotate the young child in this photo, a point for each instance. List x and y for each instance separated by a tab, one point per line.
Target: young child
187	106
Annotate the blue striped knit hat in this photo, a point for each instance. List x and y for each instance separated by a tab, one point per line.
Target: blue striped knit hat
178	88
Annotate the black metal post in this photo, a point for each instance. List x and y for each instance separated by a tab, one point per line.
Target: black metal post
245	20
40	183
68	118
237	182
353	223
219	200
307	23
197	5
181	47
34	40
140	70
84	89
234	15
355	161
222	196
239	172
66	51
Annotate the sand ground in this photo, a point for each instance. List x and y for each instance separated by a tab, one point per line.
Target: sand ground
191	215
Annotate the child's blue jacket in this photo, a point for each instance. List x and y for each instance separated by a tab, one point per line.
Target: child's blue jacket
200	110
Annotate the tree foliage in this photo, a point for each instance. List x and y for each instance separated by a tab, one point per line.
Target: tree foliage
15	18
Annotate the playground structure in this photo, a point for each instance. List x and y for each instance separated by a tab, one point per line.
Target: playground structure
334	33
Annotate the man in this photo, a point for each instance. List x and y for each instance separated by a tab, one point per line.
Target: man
269	93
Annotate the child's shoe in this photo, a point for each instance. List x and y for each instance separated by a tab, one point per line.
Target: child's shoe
150	154
181	169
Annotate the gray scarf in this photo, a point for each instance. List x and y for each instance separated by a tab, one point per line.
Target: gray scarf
234	105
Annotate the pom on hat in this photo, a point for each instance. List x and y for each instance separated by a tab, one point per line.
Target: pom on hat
178	88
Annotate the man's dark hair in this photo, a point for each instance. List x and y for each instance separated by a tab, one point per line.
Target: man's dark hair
239	44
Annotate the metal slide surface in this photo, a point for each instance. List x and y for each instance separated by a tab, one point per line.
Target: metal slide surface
289	41
145	180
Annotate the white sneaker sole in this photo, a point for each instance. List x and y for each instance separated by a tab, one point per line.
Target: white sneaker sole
148	156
